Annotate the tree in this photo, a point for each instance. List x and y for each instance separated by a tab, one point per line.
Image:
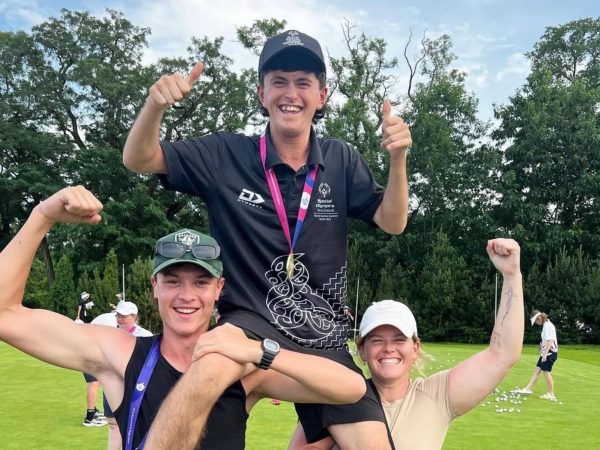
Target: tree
447	303
551	178
36	290
451	169
69	92
63	296
140	293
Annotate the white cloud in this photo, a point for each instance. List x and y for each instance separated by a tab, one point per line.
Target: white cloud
23	14
517	65
174	22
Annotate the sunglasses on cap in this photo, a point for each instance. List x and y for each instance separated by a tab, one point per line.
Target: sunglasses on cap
177	250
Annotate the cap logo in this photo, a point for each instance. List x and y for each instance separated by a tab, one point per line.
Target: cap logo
293	39
186	238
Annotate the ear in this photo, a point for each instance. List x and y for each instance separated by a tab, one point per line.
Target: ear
361	352
417	349
220	286
154	282
260	91
323	97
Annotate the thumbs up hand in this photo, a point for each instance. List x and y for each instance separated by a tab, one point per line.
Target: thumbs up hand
170	89
396	134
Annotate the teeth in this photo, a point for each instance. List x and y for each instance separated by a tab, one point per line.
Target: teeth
290	108
185	310
389	361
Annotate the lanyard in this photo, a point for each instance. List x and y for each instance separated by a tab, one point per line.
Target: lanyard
138	393
279	206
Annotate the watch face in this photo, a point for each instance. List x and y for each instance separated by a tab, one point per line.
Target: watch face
271	345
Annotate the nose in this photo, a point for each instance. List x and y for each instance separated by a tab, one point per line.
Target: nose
186	291
290	91
388	346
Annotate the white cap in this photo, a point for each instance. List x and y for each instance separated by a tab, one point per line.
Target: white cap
85	295
126	308
389	312
533	319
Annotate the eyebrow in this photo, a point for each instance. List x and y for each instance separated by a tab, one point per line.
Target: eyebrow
379	336
295	80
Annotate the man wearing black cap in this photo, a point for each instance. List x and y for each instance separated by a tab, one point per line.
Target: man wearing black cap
137	373
278	205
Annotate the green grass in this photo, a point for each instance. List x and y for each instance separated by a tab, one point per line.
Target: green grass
41	407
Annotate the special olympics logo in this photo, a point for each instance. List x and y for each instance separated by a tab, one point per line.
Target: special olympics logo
324	190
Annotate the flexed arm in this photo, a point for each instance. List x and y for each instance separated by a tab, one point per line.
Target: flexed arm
472	380
142	152
43	334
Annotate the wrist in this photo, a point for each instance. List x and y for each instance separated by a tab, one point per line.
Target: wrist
398	156
153	107
270	349
42	219
515	276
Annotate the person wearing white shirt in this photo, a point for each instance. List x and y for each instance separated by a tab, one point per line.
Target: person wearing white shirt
548	355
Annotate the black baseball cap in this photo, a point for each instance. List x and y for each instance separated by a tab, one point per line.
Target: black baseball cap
292	46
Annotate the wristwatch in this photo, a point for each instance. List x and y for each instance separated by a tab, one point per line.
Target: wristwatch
270	351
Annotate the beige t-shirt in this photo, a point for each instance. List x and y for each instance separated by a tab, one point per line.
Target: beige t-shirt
420	420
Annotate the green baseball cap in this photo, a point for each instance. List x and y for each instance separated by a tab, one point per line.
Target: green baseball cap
188	246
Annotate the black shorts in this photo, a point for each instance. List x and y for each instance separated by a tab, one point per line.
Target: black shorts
546	366
315	418
89	378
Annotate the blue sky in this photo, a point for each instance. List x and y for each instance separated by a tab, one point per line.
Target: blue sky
490	37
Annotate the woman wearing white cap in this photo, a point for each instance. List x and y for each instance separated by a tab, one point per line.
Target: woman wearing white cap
419	411
548	355
127	315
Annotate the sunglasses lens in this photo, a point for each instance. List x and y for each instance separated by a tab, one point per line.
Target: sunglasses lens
205	251
171	250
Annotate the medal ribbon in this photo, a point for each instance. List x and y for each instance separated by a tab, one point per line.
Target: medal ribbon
280	207
136	397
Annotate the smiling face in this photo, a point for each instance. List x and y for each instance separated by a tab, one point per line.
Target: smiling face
389	354
291	99
186	296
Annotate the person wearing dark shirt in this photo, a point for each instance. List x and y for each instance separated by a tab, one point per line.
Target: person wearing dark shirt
278	204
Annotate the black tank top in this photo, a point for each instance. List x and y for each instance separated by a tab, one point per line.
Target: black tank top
226	426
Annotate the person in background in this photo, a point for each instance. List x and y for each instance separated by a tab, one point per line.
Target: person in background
548	356
84	314
93	417
127	317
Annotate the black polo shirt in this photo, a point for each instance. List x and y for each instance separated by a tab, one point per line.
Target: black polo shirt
225	170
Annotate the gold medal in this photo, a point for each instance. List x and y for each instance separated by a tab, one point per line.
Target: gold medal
289	266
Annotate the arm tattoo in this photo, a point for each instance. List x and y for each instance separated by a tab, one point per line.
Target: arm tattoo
496	336
509	297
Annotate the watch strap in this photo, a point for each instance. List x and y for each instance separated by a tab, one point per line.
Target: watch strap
267	357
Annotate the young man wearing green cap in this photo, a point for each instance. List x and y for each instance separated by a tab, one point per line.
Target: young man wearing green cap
278	204
137	373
